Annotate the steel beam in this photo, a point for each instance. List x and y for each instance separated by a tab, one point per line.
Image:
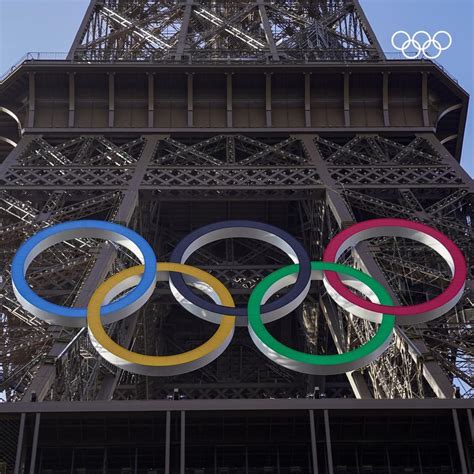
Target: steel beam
47	372
111	99
449	160
151	100
356	380
425	99
168	443
385	98
432	371
314	445
327	430
31	99
307	99
19	446
82	29
182	446
34	447
459	442
72	99
368	29
229	100
471	424
347	107
19	150
190	89
268	99
183	33
268	29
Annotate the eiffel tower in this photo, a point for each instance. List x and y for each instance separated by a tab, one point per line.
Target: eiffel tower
169	115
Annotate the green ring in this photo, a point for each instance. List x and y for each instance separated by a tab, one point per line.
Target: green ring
313	363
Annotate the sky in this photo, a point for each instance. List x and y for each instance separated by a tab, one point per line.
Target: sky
51	25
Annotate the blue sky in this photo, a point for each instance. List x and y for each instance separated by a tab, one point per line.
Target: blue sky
50	25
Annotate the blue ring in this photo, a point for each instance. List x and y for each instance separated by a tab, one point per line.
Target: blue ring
304	275
21	256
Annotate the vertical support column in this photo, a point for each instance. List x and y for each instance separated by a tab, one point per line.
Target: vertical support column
268	98
268	29
105	461
34	447
424	99
182	448
183	33
462	457
72	100
82	30
356	379
19	445
167	442
111	99
387	457
31	99
307	99
432	371
230	100
377	48
347	110
327	430
386	111
151	100
47	371
471	424
190	83
314	446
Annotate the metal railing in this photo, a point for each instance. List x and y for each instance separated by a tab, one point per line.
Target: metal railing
33	56
291	56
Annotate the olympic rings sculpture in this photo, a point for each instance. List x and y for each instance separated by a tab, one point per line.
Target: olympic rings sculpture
421	48
127	291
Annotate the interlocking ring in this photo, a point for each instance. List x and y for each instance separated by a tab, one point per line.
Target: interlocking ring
158	365
244	229
76	317
313	363
421	48
412	314
107	306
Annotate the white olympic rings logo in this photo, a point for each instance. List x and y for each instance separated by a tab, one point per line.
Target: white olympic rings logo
421	48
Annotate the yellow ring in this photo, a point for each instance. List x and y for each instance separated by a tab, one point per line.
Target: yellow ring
170	364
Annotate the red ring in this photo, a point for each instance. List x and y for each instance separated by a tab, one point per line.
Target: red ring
450	293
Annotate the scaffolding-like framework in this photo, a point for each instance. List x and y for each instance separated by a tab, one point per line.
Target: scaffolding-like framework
169	115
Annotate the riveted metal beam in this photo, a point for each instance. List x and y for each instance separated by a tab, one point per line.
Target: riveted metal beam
190	89
307	99
151	100
385	99
111	77
229	100
347	107
268	99
72	99
31	99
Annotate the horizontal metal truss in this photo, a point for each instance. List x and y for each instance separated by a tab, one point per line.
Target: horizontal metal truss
174	168
245	166
191	187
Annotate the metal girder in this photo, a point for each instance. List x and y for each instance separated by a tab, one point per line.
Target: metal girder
227	170
46	373
432	371
254	29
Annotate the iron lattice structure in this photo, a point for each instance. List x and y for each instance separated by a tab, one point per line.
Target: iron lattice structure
169	115
193	31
